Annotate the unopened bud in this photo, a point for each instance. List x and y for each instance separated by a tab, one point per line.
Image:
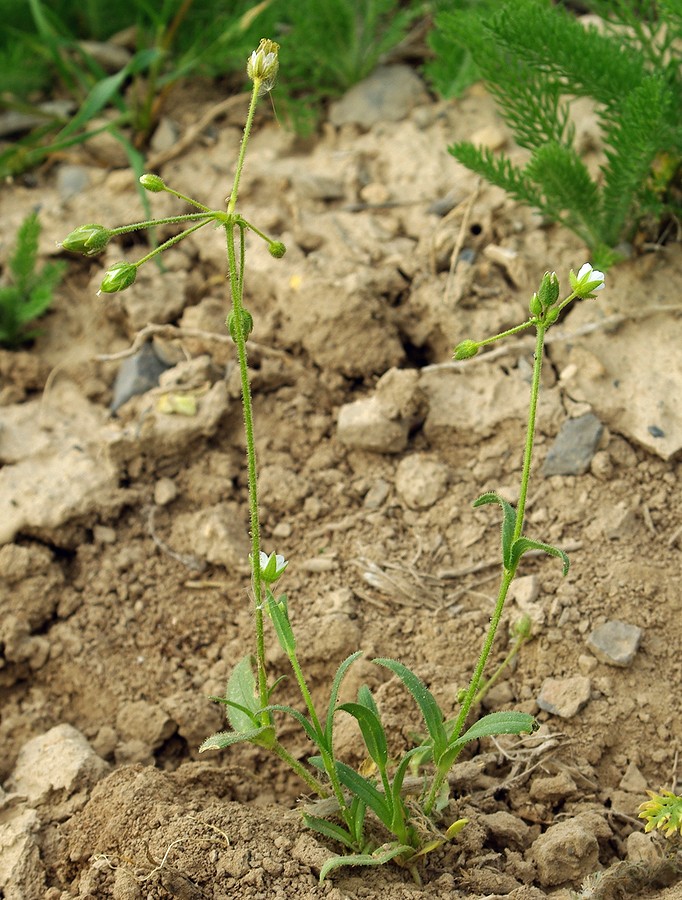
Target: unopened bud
152	183
548	293
119	277
535	305
88	239
465	350
277	249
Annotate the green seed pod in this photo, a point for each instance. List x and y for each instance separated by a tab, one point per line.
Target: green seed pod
119	277
247	324
277	249
152	183
87	239
465	350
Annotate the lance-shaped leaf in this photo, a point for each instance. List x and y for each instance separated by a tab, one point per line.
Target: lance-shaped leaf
333	697
330	830
300	718
278	611
523	545
431	711
364	789
379	858
508	523
503	722
240	697
372	732
262	737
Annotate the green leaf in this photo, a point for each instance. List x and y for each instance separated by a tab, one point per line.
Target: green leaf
503	722
433	716
523	545
379	858
330	830
333	697
243	706
296	714
372	732
364	789
278	611
508	522
262	737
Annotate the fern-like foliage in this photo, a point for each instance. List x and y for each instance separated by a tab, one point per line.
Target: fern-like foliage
535	59
29	290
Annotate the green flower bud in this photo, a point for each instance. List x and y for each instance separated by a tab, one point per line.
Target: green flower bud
523	627
119	277
88	239
277	249
152	183
247	324
548	294
465	350
535	305
263	65
551	316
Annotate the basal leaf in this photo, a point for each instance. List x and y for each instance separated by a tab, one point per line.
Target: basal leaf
379	858
333	697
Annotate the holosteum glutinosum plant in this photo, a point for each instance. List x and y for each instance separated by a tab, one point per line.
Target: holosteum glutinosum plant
410	824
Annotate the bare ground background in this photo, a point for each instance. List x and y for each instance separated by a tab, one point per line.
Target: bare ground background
124	585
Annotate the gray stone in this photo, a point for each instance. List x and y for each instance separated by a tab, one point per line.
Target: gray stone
72	180
564	697
137	374
59	760
567	851
575	445
22	874
615	643
388	94
421	481
364	425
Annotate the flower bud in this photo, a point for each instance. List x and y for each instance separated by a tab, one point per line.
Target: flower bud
88	239
587	282
247	324
548	293
535	305
263	65
465	350
551	316
277	249
152	183
119	277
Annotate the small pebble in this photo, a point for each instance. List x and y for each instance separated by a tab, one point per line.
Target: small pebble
165	491
564	697
575	445
615	643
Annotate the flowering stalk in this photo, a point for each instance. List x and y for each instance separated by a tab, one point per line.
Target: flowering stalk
544	313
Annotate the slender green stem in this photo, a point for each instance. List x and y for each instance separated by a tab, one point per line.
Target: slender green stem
232	202
515	330
236	290
174	240
507	574
300	770
530	431
170	220
494	678
189	200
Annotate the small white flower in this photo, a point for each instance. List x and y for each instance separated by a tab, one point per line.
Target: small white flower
587	282
271	567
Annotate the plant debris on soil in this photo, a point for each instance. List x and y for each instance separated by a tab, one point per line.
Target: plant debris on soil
124	580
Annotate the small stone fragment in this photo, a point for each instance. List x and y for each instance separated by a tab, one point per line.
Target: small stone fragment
615	643
575	445
376	495
388	94
564	697
165	491
144	721
364	425
633	780
553	788
421	481
60	759
506	829
567	851
137	375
